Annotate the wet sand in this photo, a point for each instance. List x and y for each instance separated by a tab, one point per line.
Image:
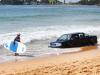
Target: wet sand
84	62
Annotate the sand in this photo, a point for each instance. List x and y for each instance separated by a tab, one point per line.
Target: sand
84	62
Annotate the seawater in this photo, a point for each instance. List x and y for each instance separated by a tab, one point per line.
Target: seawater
40	24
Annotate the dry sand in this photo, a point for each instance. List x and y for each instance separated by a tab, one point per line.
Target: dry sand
85	62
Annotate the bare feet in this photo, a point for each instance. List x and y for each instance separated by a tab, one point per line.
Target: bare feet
16	54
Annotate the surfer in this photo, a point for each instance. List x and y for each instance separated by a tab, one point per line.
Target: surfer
17	38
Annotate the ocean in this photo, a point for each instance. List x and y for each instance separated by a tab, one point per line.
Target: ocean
41	24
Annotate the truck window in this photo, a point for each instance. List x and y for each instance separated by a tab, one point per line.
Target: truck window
64	38
81	35
75	36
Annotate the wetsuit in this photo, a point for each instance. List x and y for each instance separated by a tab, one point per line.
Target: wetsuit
18	40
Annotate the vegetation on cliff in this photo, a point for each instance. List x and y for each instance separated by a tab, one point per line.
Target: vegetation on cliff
29	2
89	2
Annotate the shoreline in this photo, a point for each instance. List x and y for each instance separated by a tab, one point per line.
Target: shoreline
25	57
78	63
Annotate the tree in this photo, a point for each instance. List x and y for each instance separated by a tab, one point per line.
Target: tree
18	2
7	1
89	2
44	1
83	2
52	1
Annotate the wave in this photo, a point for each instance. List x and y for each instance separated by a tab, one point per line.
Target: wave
37	38
48	32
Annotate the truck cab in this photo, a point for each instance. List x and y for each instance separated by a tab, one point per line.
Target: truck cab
74	40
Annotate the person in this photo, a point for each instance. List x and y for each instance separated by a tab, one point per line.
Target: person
17	38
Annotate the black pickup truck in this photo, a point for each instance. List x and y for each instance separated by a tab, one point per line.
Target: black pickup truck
74	40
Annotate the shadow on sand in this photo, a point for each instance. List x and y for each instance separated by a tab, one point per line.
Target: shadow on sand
21	55
85	48
26	55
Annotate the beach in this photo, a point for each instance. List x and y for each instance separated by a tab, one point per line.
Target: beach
39	25
84	62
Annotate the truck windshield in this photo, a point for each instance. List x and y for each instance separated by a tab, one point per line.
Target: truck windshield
64	37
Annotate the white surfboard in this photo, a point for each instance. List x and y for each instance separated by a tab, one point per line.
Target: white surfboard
16	47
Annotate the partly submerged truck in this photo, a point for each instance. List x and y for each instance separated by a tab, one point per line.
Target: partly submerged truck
74	40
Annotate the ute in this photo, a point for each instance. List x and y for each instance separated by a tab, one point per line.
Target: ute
74	40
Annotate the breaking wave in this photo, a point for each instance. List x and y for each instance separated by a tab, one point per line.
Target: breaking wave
48	32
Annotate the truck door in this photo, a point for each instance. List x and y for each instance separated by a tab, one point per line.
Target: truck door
82	39
75	39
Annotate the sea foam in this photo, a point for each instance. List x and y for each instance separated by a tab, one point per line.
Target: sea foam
48	33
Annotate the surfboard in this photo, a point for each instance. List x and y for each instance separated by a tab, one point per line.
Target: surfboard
16	47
